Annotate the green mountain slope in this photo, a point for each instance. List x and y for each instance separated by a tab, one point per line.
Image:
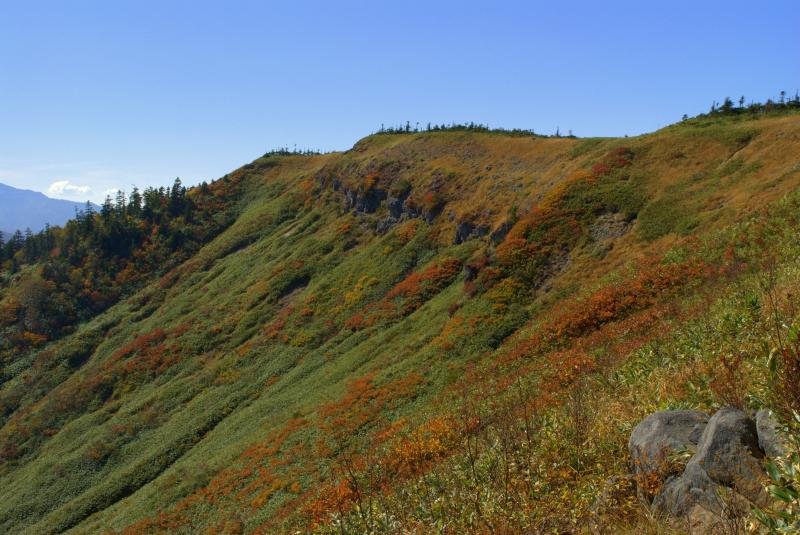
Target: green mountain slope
356	344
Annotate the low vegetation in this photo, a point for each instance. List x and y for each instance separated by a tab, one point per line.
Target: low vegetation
442	330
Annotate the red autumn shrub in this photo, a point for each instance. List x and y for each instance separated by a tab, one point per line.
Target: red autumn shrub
537	242
408	295
614	159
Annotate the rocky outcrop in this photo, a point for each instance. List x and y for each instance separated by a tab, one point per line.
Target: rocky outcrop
499	234
609	226
681	494
365	202
724	469
399	206
467	230
662	434
728	450
399	209
768	439
727	455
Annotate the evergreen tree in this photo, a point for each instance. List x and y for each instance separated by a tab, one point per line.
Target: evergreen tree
29	247
48	237
135	203
17	241
121	203
107	209
727	105
88	218
177	197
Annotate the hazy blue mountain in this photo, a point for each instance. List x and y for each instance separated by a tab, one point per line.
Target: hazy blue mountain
21	209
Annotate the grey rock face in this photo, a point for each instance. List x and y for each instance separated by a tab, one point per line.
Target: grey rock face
500	232
466	231
728	450
682	493
429	214
727	455
768	439
364	202
609	226
662	434
395	206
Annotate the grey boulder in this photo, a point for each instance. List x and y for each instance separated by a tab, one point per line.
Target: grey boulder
681	494
662	434
728	454
768	438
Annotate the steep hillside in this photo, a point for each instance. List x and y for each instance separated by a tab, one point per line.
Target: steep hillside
446	331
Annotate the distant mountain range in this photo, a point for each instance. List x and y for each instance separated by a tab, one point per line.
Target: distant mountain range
21	209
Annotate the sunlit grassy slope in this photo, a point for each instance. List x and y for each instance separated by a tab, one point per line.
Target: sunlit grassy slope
349	354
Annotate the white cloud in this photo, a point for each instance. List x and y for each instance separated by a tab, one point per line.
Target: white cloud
65	187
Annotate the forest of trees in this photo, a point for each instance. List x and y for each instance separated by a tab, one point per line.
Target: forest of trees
729	107
285	151
66	275
407	128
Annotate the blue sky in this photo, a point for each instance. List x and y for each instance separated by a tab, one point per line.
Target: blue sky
100	95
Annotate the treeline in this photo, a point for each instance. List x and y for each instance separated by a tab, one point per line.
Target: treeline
285	151
407	128
64	275
730	108
113	232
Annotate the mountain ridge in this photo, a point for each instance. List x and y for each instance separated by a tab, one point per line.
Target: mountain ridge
367	327
21	209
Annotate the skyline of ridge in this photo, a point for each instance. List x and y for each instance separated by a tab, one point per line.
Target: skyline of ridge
99	97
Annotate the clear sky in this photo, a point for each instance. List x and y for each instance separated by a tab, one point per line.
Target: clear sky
99	95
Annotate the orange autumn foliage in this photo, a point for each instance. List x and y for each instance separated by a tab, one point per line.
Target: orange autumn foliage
408	295
421	447
361	404
537	242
